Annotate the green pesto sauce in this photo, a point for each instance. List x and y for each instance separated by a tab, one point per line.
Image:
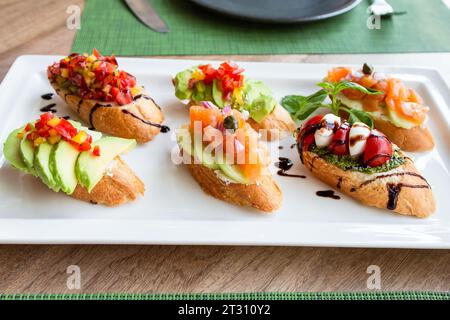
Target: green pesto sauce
349	163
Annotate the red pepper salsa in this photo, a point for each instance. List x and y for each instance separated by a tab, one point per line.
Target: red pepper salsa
229	77
51	129
93	77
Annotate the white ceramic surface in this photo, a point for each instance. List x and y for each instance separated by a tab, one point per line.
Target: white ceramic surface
174	210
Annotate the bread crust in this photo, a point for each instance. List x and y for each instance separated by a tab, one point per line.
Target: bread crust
119	185
264	195
416	139
111	119
415	201
278	124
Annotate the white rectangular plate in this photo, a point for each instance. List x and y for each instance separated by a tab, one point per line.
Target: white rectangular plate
174	209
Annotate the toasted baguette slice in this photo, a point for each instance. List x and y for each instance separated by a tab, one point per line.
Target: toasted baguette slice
119	185
402	189
278	124
140	120
416	139
264	194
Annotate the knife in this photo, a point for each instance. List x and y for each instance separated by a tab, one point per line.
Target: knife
145	12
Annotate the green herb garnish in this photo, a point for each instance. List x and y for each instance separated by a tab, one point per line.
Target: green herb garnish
350	163
301	107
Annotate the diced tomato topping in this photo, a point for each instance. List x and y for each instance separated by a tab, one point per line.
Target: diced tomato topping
229	77
94	77
52	129
96	151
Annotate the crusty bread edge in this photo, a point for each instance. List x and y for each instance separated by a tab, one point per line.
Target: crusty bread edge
264	195
112	120
418	202
118	186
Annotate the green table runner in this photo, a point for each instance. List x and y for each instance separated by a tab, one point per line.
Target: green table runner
238	296
109	26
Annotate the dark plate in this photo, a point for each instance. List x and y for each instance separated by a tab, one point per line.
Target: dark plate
280	11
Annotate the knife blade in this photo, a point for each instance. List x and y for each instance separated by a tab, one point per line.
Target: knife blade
143	10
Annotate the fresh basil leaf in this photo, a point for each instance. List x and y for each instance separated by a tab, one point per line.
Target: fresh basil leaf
352	85
359	115
317	97
292	103
328	86
301	107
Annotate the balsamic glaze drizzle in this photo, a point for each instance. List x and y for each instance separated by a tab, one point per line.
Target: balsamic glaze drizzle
394	191
47	96
328	194
50	107
163	128
286	164
91	113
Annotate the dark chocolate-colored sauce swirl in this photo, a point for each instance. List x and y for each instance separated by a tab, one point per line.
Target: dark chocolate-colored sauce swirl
163	128
50	107
47	96
286	164
327	194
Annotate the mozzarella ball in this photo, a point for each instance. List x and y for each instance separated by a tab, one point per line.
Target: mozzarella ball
358	135
323	137
332	120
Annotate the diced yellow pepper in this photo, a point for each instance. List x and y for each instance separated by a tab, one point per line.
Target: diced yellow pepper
54	139
237	95
91	58
20	134
64	73
198	75
54	122
80	137
38	141
135	91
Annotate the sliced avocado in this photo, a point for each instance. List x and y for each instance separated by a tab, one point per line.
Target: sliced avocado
204	95
259	100
206	158
11	151
90	169
184	141
181	81
217	95
27	154
233	172
399	121
63	158
41	164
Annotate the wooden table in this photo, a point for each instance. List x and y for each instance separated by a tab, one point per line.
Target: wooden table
38	27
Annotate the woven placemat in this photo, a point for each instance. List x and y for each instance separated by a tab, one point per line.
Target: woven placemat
111	27
376	295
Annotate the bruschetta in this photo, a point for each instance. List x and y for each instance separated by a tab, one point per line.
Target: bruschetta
227	86
398	111
364	164
225	157
106	98
75	160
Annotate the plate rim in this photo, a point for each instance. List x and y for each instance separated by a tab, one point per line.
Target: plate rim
236	15
27	231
